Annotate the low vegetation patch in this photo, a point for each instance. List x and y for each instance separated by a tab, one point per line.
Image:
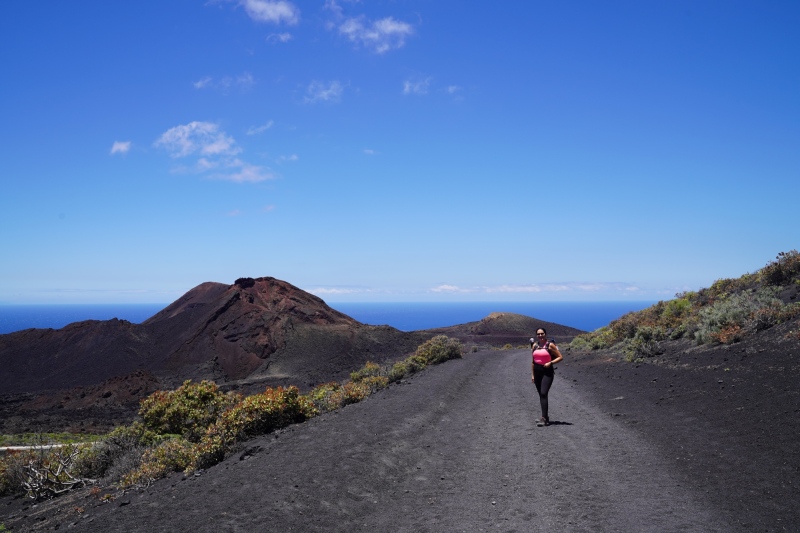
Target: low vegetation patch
39	439
724	313
196	426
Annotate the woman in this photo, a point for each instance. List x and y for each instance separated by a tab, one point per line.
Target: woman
545	355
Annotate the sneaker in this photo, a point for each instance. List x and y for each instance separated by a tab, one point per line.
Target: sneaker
546	421
541	422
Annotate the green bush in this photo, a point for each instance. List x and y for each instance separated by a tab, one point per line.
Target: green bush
439	349
581	342
729	319
323	397
173	455
645	343
369	370
186	411
398	371
675	310
255	415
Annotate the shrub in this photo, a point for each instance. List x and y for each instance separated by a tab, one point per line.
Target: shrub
398	371
170	456
675	310
186	411
595	340
678	332
368	370
783	270
580	342
728	319
12	471
322	396
350	392
439	349
50	472
645	343
118	453
623	328
375	383
254	415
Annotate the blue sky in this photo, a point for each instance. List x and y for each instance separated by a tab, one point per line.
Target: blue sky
420	150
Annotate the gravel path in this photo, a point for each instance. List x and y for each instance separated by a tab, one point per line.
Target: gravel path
453	449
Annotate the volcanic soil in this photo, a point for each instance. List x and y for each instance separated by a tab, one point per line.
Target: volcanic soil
697	439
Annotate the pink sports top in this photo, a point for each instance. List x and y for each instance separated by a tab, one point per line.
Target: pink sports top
541	356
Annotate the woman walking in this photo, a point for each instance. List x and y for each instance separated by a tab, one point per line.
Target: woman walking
545	354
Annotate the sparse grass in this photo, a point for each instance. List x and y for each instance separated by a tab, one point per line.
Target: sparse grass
38	439
724	313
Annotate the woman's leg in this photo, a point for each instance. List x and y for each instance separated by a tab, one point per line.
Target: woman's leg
545	381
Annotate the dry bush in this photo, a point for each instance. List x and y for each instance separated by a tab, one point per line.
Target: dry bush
783	270
51	472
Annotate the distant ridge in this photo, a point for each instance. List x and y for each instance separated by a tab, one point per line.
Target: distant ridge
507	328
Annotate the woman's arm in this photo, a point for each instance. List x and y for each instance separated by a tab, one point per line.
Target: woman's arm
558	357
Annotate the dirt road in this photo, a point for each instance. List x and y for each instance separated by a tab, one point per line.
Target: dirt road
453	449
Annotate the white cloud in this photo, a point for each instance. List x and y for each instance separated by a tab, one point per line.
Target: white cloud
288	158
243	81
575	287
245	173
284	37
204	138
448	288
416	86
120	147
380	36
370	151
271	11
255	130
203	82
234	213
322	92
337	291
452	89
215	151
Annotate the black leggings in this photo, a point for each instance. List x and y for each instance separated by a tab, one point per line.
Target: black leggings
543	379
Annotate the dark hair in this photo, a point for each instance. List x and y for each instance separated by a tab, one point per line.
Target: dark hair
545	331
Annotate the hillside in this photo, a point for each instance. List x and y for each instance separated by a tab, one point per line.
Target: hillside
499	329
731	311
245	336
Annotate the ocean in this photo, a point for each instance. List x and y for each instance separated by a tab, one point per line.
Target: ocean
587	316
